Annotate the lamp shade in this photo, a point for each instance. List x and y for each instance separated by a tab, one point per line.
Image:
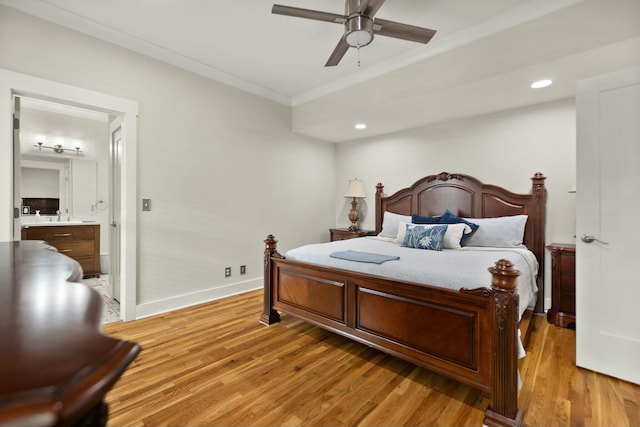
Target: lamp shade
355	189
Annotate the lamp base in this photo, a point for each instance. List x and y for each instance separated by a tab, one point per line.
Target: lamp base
353	216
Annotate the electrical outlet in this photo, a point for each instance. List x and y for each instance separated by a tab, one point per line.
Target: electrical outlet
146	205
243	269
227	271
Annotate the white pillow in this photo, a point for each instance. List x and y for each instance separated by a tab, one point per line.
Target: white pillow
390	222
452	236
501	232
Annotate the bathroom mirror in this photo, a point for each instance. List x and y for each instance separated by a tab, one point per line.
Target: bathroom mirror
72	181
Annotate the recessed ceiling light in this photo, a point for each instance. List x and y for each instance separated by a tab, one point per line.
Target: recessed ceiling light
541	83
361	126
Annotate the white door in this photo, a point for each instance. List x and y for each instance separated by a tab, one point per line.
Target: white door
608	207
115	160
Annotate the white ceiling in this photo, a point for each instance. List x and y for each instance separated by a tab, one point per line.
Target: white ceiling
482	59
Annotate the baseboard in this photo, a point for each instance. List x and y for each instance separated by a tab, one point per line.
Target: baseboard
187	300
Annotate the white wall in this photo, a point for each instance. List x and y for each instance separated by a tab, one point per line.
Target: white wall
505	149
221	166
223	169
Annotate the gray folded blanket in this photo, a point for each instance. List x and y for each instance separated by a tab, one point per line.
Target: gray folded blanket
363	256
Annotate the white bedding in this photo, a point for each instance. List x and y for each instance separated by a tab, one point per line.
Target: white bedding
450	268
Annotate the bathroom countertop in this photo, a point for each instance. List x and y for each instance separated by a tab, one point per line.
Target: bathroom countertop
57	223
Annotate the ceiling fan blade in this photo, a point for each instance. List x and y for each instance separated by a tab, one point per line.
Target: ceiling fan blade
308	14
337	54
371	7
402	31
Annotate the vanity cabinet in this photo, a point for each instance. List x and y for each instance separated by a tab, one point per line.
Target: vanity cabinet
80	242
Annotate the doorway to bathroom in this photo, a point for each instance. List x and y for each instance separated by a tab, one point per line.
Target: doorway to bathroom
68	154
14	85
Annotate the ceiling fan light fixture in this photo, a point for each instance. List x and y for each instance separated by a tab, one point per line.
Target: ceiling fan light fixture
359	31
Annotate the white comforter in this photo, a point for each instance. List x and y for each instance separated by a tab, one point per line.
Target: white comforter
450	268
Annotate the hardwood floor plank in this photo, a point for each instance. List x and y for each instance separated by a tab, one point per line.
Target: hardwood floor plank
215	365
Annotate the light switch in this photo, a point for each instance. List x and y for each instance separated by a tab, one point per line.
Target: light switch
146	204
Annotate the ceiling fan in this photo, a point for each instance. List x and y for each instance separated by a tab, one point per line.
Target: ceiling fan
360	24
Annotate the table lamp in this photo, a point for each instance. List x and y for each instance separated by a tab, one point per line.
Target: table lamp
355	190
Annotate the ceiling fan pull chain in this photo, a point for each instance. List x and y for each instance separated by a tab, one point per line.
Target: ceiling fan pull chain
358	48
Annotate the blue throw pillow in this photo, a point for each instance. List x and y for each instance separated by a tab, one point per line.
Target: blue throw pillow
429	237
419	219
449	218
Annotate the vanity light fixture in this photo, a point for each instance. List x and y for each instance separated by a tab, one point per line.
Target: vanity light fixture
58	148
541	83
355	190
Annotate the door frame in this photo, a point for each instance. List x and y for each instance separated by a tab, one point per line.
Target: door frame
115	281
12	83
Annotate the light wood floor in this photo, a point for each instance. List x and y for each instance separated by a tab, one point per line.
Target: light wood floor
215	365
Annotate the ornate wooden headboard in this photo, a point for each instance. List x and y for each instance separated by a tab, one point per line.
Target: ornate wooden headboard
468	197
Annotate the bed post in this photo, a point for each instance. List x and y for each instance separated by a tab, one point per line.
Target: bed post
539	193
379	194
269	315
503	399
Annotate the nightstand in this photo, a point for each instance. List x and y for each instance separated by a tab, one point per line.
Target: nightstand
345	233
563	284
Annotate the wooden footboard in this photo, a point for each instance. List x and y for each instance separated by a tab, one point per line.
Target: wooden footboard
467	335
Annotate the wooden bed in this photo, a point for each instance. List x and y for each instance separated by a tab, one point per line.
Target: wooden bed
472	333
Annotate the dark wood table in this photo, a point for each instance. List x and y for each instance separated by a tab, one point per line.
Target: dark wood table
56	365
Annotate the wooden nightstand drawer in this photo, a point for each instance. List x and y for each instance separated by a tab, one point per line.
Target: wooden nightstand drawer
567	303
567	264
563	284
345	233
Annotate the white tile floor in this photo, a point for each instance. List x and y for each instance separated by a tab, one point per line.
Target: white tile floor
110	307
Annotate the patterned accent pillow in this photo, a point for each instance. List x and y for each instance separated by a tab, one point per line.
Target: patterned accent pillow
452	237
429	237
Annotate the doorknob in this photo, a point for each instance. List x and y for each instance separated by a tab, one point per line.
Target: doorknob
114	224
587	238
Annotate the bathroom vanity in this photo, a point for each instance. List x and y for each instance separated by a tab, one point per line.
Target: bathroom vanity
77	240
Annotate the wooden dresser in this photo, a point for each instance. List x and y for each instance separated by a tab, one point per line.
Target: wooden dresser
56	366
79	241
563	284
